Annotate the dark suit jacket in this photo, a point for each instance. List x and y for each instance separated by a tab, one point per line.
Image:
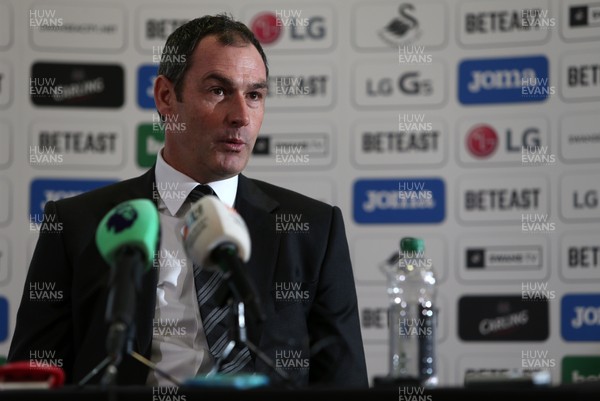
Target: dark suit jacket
324	328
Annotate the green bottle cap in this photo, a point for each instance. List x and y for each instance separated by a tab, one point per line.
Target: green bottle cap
411	244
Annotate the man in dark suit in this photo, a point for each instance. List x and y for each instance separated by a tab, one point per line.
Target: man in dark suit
213	85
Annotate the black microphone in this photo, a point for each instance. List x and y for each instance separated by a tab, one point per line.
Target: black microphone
127	238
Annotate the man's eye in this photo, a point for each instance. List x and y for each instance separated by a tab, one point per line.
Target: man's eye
218	91
255	95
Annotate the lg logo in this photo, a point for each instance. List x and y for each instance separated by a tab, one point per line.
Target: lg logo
482	140
268	28
409	83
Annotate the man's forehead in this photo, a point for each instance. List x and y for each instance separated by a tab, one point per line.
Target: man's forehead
216	60
212	43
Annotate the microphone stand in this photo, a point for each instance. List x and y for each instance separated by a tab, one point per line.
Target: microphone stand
110	363
241	334
120	337
121	308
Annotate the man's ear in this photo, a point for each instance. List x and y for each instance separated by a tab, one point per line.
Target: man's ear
164	95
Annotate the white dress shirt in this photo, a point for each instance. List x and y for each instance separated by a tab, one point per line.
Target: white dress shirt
179	345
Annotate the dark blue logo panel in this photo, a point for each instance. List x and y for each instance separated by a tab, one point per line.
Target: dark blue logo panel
504	80
3	319
580	317
43	190
145	93
400	200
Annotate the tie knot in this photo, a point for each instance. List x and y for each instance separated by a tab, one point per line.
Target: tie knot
200	191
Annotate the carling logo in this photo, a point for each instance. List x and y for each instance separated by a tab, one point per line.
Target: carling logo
503	80
43	190
401	200
580	317
500	317
77	85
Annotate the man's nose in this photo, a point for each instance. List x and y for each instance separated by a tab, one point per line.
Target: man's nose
238	115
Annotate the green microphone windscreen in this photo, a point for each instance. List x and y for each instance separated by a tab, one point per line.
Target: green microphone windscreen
134	223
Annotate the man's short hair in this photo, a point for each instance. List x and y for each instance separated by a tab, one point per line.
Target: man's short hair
177	52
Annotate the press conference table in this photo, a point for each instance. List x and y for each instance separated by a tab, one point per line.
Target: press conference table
585	391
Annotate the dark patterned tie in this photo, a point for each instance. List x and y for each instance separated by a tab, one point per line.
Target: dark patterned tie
217	320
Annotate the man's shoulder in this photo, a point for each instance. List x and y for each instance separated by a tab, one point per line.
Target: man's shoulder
288	198
131	188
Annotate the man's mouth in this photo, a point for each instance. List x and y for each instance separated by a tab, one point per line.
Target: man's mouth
233	144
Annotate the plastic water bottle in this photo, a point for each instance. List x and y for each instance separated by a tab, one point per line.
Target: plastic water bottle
412	315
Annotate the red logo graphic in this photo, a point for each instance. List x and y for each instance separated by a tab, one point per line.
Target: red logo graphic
482	141
265	28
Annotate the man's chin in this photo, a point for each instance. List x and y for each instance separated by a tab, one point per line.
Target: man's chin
229	168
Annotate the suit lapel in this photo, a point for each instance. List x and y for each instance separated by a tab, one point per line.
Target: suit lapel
256	208
147	298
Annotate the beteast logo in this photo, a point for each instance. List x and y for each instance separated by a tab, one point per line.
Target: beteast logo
583	256
297	86
6	78
145	85
161	28
43	190
580	317
81	85
402	200
77	141
503	199
4	319
503	80
5	261
502	318
6	197
412	140
495	22
586	15
404	28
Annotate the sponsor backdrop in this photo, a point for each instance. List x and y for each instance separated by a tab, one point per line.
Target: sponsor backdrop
472	124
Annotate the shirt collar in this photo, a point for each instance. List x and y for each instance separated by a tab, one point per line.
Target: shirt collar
173	186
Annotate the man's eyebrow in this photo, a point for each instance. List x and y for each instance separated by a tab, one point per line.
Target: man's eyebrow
259	85
220	78
229	83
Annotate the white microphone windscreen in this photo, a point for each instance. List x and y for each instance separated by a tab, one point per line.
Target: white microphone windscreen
210	223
